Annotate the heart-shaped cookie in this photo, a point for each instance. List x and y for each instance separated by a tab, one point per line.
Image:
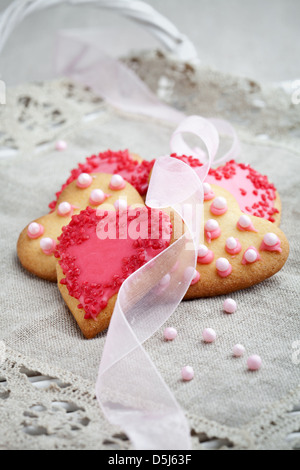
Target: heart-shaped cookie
130	166
37	242
98	250
238	250
252	190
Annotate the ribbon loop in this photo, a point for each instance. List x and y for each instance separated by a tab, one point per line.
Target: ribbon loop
226	129
207	130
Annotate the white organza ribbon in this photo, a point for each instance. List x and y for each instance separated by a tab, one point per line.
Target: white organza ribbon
194	125
130	390
80	57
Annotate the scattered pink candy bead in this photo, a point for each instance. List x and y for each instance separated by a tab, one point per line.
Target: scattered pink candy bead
254	362
170	333
209	335
187	373
61	145
238	350
229	306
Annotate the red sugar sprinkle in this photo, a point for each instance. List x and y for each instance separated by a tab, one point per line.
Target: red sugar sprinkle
191	161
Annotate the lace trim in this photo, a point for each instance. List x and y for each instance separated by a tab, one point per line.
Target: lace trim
48	408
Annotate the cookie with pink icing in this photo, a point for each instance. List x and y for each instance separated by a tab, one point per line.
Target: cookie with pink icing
91	269
37	242
252	190
237	250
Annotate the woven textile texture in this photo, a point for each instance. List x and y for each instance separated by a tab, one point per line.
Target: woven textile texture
225	403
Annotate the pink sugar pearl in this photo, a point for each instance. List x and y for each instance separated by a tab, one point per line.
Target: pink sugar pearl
61	145
206	188
209	335
270	239
229	306
254	362
238	350
187	373
244	221
170	333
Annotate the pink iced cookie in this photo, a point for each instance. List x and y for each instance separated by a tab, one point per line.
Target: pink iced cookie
236	251
36	253
252	190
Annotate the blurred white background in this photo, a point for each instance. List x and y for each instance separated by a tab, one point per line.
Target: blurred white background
259	39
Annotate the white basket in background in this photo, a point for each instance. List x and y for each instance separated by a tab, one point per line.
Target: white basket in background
158	25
